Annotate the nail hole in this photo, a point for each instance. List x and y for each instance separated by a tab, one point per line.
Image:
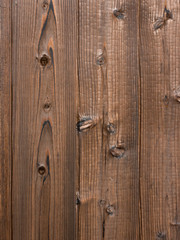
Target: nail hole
118	13
44	60
41	170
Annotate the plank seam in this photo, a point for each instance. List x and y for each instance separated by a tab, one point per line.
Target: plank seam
11	115
139	125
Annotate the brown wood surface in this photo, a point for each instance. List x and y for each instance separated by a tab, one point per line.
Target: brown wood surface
5	120
44	119
160	128
89	120
108	95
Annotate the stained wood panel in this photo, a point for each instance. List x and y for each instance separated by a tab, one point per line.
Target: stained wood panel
5	120
44	119
160	129
108	120
89	128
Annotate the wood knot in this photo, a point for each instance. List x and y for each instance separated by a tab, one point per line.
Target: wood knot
175	224
110	210
100	60
166	100
41	169
177	94
167	14
85	124
102	202
118	13
117	151
78	202
45	5
44	60
111	128
160	235
161	21
47	106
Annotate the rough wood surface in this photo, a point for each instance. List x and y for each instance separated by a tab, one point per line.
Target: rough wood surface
160	128
5	120
89	120
108	94
44	119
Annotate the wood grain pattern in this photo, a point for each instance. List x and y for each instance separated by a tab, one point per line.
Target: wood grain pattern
160	128
108	94
5	120
44	119
89	128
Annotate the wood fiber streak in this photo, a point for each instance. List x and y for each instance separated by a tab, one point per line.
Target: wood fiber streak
5	120
44	58
160	127
108	93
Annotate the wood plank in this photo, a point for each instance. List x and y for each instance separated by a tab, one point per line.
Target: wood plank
160	128
44	119
108	113
5	120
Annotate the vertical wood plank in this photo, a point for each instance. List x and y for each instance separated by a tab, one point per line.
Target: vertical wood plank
90	120
5	120
160	128
121	176
44	119
108	120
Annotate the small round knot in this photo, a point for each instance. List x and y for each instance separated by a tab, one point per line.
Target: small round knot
160	235
47	107
100	59
102	202
111	128
44	60
118	13
45	5
110	210
41	170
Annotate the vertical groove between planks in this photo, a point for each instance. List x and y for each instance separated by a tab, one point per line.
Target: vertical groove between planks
139	114
11	21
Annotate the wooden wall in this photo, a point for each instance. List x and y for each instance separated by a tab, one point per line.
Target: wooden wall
89	120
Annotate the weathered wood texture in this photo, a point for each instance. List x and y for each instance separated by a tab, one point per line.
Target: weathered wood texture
44	119
5	120
89	128
108	95
160	128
